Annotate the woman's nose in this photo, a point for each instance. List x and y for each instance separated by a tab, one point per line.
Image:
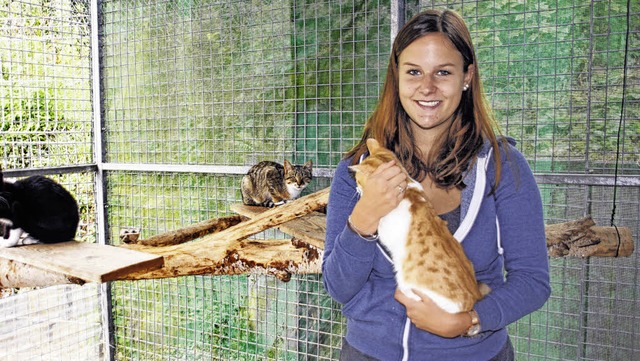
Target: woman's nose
427	85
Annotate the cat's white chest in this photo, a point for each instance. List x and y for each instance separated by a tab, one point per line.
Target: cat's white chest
393	230
294	191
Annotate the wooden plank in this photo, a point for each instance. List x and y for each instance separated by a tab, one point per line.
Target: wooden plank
309	228
87	261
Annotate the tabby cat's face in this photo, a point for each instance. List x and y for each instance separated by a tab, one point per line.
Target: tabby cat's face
297	176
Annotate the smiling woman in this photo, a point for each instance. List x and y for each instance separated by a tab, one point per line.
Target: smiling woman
432	115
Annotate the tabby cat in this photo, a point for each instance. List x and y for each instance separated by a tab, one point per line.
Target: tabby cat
270	184
425	255
36	210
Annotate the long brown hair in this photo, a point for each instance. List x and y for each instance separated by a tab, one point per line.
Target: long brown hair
455	152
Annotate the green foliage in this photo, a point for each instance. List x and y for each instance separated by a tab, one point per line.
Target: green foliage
553	73
44	85
30	126
340	57
205	318
229	93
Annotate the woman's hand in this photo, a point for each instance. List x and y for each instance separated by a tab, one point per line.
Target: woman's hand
427	316
381	192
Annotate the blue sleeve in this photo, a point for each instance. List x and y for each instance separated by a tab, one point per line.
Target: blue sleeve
348	258
520	215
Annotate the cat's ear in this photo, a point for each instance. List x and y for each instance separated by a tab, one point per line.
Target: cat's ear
287	166
308	164
372	145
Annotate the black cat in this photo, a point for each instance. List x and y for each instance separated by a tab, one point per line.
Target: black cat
39	207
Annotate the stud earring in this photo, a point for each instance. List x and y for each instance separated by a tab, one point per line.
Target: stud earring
465	87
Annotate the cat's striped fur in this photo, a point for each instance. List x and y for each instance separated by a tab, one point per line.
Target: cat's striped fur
269	183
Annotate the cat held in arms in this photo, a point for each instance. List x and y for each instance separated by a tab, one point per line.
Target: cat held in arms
270	184
36	210
425	255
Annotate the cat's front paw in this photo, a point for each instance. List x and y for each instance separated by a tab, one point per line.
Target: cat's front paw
25	241
7	243
18	237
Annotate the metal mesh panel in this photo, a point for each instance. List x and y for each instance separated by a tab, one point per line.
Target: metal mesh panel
199	87
45	92
186	80
341	50
592	313
216	87
55	323
554	75
222	317
45	127
226	318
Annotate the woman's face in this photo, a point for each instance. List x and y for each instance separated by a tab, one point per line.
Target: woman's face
431	80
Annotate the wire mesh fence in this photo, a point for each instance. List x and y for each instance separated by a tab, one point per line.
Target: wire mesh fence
55	323
45	128
45	86
194	92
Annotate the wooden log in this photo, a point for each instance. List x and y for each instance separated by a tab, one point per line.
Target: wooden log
561	236
270	218
606	242
228	251
277	257
189	233
581	238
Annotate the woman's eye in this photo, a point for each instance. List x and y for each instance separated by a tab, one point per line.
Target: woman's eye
443	72
413	72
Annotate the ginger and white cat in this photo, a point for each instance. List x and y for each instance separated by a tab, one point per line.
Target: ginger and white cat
425	255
